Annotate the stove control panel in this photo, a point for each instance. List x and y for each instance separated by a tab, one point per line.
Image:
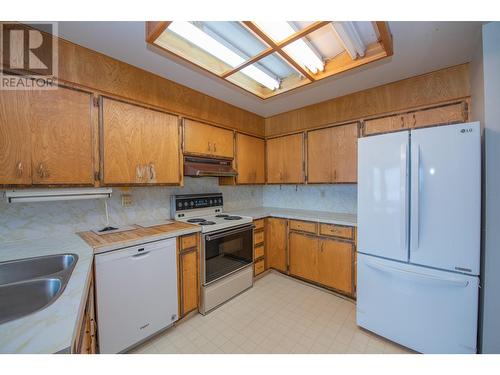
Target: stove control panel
196	201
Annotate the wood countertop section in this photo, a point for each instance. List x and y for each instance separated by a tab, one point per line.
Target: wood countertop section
139	235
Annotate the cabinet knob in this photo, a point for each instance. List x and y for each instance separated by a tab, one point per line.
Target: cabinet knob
209	147
42	172
152	172
138	172
215	147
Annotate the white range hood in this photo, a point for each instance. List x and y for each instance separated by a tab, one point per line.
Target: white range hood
46	195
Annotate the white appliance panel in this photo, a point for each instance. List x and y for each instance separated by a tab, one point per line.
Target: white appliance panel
446	197
427	310
383	225
136	293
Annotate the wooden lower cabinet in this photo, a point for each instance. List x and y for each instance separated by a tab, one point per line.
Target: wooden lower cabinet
86	337
303	255
259	252
276	243
188	271
335	264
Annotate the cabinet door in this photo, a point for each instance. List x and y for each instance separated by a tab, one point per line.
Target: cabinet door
319	156
274	158
285	159
140	146
189	281
335	264
15	138
304	256
454	113
344	150
293	158
250	153
61	136
276	243
386	124
207	140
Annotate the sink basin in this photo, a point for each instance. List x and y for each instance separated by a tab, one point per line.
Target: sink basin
30	268
26	297
31	284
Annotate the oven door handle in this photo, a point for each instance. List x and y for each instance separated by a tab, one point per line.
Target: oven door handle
228	233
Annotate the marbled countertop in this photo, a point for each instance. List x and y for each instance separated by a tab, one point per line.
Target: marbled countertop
52	329
308	215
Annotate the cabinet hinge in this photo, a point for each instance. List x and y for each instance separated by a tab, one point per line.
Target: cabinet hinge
95	101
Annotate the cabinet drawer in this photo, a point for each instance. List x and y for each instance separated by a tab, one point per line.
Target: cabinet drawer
259	252
259	267
303	226
188	242
336	231
259	224
258	237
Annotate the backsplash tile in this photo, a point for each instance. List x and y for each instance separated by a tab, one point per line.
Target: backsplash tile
20	221
331	198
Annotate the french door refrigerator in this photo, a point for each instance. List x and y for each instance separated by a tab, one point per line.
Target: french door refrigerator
419	213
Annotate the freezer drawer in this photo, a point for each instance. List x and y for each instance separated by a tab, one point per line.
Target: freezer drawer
136	293
427	310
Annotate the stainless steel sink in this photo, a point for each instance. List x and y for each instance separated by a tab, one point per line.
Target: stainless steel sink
31	284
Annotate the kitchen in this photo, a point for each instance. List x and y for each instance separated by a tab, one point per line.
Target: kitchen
249	187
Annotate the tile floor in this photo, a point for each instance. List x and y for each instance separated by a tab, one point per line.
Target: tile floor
278	315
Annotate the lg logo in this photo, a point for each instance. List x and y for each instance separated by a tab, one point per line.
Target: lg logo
468	130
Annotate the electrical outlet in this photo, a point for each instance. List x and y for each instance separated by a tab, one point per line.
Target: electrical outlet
127	200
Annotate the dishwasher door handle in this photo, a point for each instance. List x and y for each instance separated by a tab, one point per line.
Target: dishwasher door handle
138	255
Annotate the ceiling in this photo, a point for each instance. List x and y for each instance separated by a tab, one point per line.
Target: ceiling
419	47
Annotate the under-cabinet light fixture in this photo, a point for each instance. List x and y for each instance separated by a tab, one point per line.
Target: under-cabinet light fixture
47	195
196	36
298	50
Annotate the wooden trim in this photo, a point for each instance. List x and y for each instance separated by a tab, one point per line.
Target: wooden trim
154	29
385	36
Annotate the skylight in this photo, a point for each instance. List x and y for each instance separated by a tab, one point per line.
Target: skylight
269	58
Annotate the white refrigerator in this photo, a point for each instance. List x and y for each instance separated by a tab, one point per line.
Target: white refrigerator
419	217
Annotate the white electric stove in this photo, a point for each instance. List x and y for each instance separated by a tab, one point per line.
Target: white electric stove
226	254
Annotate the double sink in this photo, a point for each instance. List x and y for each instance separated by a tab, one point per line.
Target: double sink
31	284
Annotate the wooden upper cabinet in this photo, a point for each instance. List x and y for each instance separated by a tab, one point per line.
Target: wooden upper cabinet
449	114
335	264
386	124
15	138
304	255
47	137
140	145
276	243
445	114
285	159
62	137
332	154
207	140
250	155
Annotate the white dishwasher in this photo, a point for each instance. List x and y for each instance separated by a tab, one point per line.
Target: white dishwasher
136	289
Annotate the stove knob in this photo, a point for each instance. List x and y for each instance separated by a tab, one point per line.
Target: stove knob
185	204
192	203
179	204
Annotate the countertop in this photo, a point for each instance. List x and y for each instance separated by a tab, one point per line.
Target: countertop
307	215
139	235
49	330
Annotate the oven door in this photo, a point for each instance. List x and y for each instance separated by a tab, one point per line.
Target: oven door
227	251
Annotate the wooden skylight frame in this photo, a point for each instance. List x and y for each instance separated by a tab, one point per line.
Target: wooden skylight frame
380	49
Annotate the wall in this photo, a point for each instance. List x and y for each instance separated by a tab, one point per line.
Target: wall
491	275
41	219
333	198
431	88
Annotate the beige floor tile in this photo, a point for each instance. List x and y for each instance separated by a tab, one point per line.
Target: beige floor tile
278	315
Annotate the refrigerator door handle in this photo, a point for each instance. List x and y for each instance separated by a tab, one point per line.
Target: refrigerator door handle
416	276
416	199
404	195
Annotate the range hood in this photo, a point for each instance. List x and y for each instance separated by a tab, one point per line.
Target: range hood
208	167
